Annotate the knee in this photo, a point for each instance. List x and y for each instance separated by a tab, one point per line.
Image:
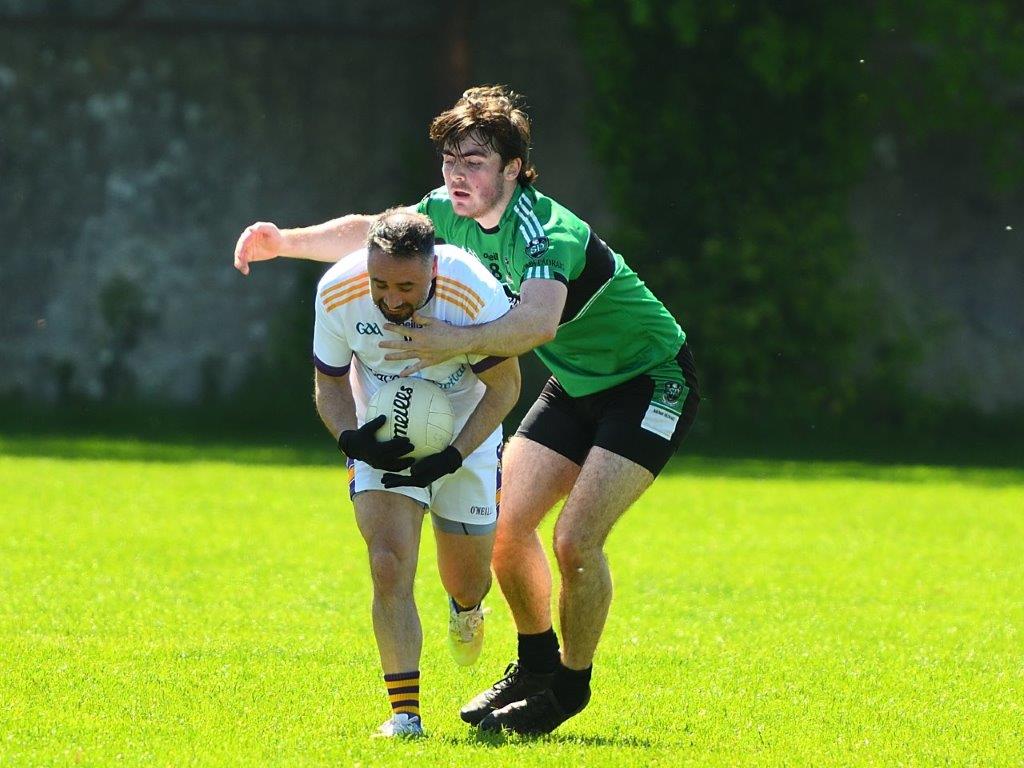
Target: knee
389	571
574	552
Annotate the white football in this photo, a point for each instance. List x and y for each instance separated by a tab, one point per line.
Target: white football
417	409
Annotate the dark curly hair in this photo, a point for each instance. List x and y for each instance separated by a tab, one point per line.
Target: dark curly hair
493	115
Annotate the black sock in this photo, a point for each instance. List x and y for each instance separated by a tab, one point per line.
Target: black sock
460	608
571	685
539	653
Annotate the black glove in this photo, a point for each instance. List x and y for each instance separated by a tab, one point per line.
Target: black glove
427	470
362	444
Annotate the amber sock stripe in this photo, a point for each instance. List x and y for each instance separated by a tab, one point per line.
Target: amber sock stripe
404	692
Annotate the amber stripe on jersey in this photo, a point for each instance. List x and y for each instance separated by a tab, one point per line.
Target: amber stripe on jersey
457	300
342	285
471	296
357	293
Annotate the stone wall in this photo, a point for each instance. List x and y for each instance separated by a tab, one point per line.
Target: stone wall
130	159
138	138
945	250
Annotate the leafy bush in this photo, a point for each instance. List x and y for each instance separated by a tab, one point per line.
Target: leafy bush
732	135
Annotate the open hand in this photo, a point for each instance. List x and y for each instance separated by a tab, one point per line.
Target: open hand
431	344
258	242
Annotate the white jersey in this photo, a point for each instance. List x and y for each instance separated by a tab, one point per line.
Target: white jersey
349	327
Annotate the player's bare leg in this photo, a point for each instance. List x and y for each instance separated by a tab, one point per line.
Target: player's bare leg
391	525
534	479
607	486
464	564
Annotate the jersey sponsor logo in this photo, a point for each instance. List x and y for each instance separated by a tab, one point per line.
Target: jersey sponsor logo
449	383
454	379
673	390
368	329
480	511
536	247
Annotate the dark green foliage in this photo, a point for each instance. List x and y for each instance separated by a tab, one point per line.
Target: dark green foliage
732	135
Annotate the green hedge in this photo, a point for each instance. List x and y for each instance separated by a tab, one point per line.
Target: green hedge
733	134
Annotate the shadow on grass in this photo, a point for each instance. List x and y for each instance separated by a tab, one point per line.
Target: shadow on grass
979	452
320	451
501	739
172	451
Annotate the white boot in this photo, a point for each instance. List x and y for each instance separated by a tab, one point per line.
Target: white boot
465	634
402	724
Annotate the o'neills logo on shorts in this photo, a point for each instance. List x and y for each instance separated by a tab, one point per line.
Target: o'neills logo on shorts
400	411
479	510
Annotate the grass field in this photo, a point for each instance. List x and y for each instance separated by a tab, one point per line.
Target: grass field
175	606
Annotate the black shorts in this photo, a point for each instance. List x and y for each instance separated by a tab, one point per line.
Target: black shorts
643	419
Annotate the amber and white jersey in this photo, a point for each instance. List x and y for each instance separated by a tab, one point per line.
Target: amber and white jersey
349	327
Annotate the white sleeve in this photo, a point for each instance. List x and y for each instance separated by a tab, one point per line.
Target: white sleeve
497	305
332	354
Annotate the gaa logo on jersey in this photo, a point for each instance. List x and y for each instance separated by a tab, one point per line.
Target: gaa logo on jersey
368	329
537	246
673	390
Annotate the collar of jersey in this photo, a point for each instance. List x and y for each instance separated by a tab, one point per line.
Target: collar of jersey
430	294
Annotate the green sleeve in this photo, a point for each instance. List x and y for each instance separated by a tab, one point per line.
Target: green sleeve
557	255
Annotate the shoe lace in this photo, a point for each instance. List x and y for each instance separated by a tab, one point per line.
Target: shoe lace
511	673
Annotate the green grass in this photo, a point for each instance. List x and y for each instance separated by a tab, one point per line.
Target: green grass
170	605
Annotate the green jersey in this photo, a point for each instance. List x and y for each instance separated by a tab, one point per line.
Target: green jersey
612	328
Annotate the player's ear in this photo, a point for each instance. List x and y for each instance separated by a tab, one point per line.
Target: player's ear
433	270
512	168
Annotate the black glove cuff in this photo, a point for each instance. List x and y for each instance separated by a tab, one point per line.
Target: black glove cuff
343	440
452	458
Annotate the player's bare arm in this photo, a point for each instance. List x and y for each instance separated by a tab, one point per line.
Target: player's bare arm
327	242
336	406
334	403
532	322
503	383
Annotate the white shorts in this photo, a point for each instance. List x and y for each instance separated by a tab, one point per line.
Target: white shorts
465	501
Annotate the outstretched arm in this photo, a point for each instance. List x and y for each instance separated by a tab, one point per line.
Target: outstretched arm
532	322
321	242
